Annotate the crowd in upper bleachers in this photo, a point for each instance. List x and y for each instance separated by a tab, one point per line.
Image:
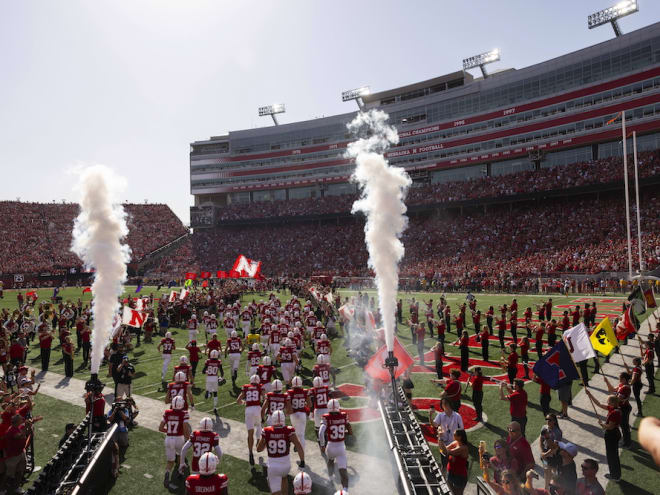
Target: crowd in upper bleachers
36	237
546	179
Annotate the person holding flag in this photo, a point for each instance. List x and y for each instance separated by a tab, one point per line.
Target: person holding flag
646	351
579	346
611	433
622	391
636	383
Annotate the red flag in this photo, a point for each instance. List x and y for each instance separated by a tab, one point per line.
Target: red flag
205	283
205	275
375	365
221	274
87	289
628	324
191	276
32	293
650	298
245	267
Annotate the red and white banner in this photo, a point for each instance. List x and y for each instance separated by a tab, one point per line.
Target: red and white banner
133	318
173	296
184	294
246	268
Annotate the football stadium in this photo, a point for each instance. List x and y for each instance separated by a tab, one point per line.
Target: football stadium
450	289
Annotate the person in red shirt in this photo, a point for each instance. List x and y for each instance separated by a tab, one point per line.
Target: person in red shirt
464	345
332	433
476	380
539	331
501	330
251	396
67	355
623	391
576	315
16	353
46	336
458	454
201	441
14	451
85	342
452	387
176	426
484	338
511	362
517	402
193	352
207	482
552	333
277	440
646	352
565	322
519	449
548	309
419	333
168	345
524	355
611	433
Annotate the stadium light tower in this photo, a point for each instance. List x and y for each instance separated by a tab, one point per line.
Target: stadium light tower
611	14
356	94
272	110
481	60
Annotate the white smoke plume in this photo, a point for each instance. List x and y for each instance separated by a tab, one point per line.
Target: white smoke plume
383	190
97	234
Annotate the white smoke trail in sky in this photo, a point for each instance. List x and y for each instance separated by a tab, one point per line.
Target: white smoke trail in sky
97	234
383	190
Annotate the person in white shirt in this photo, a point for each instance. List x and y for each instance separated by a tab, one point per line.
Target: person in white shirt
447	422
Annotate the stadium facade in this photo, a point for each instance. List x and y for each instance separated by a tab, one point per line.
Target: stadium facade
453	127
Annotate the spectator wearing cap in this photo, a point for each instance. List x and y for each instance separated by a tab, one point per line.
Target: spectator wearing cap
566	469
125	373
588	484
520	449
517	398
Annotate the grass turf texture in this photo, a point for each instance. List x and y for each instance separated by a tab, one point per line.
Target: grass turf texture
148	364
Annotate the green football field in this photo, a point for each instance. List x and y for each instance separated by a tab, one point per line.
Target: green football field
146	456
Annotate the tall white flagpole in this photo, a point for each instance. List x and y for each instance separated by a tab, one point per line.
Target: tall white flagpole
639	227
625	182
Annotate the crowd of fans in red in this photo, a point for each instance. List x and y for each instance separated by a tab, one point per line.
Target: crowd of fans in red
36	237
562	177
584	236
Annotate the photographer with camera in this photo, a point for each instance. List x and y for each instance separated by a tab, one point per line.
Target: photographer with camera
120	414
125	373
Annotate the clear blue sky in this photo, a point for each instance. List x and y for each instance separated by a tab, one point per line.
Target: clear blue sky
131	83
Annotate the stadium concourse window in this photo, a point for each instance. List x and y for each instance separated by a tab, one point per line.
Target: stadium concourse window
340	189
459	174
304	192
644	143
271	195
511	167
559	158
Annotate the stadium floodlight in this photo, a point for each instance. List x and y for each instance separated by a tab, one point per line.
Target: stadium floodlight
481	60
611	14
271	110
356	94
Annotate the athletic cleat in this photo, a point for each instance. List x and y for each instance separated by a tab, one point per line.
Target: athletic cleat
166	481
251	459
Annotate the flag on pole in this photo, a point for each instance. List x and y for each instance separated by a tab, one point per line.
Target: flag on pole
32	294
205	283
133	318
87	289
221	274
578	343
375	365
205	275
603	339
347	311
629	324
328	297
191	275
139	288
184	294
650	298
614	119
173	296
556	368
637	300
188	283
